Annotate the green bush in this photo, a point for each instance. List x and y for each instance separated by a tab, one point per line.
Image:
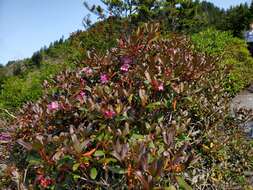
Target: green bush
101	37
212	42
137	117
17	90
232	53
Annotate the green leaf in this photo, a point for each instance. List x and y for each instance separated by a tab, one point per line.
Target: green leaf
75	166
137	137
154	105
121	118
107	160
171	187
100	136
182	183
99	153
34	160
160	119
37	145
76	177
130	98
93	173
148	126
151	145
117	170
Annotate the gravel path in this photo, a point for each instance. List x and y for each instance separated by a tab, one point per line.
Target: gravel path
244	100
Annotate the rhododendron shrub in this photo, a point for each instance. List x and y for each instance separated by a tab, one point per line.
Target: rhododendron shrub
125	120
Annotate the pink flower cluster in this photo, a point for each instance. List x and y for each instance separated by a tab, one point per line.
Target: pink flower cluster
87	70
157	85
125	67
80	96
45	182
104	78
53	106
160	87
109	113
126	61
5	137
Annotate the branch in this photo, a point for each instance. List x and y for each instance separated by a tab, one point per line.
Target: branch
94	182
8	113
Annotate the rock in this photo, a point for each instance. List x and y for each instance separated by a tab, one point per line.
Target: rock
250	89
248	128
242	100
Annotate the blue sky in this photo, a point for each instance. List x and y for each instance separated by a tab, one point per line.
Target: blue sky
28	25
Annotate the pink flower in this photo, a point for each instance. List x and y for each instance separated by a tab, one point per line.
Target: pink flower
53	106
5	137
104	78
109	113
114	50
87	70
126	60
80	96
168	72
82	81
125	67
160	87
45	182
82	93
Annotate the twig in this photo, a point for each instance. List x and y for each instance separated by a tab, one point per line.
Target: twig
94	182
25	174
6	111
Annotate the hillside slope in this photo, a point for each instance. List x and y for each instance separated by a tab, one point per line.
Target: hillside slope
21	80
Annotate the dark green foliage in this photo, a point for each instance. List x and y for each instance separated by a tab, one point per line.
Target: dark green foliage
143	9
17	70
212	13
36	59
181	16
101	36
190	18
10	63
175	15
237	19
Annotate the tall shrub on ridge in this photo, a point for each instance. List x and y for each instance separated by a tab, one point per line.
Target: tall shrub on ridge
120	120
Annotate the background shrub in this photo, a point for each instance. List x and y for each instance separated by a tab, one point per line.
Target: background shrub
37	58
232	52
17	90
212	41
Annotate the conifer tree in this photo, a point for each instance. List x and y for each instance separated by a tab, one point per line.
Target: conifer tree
237	19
